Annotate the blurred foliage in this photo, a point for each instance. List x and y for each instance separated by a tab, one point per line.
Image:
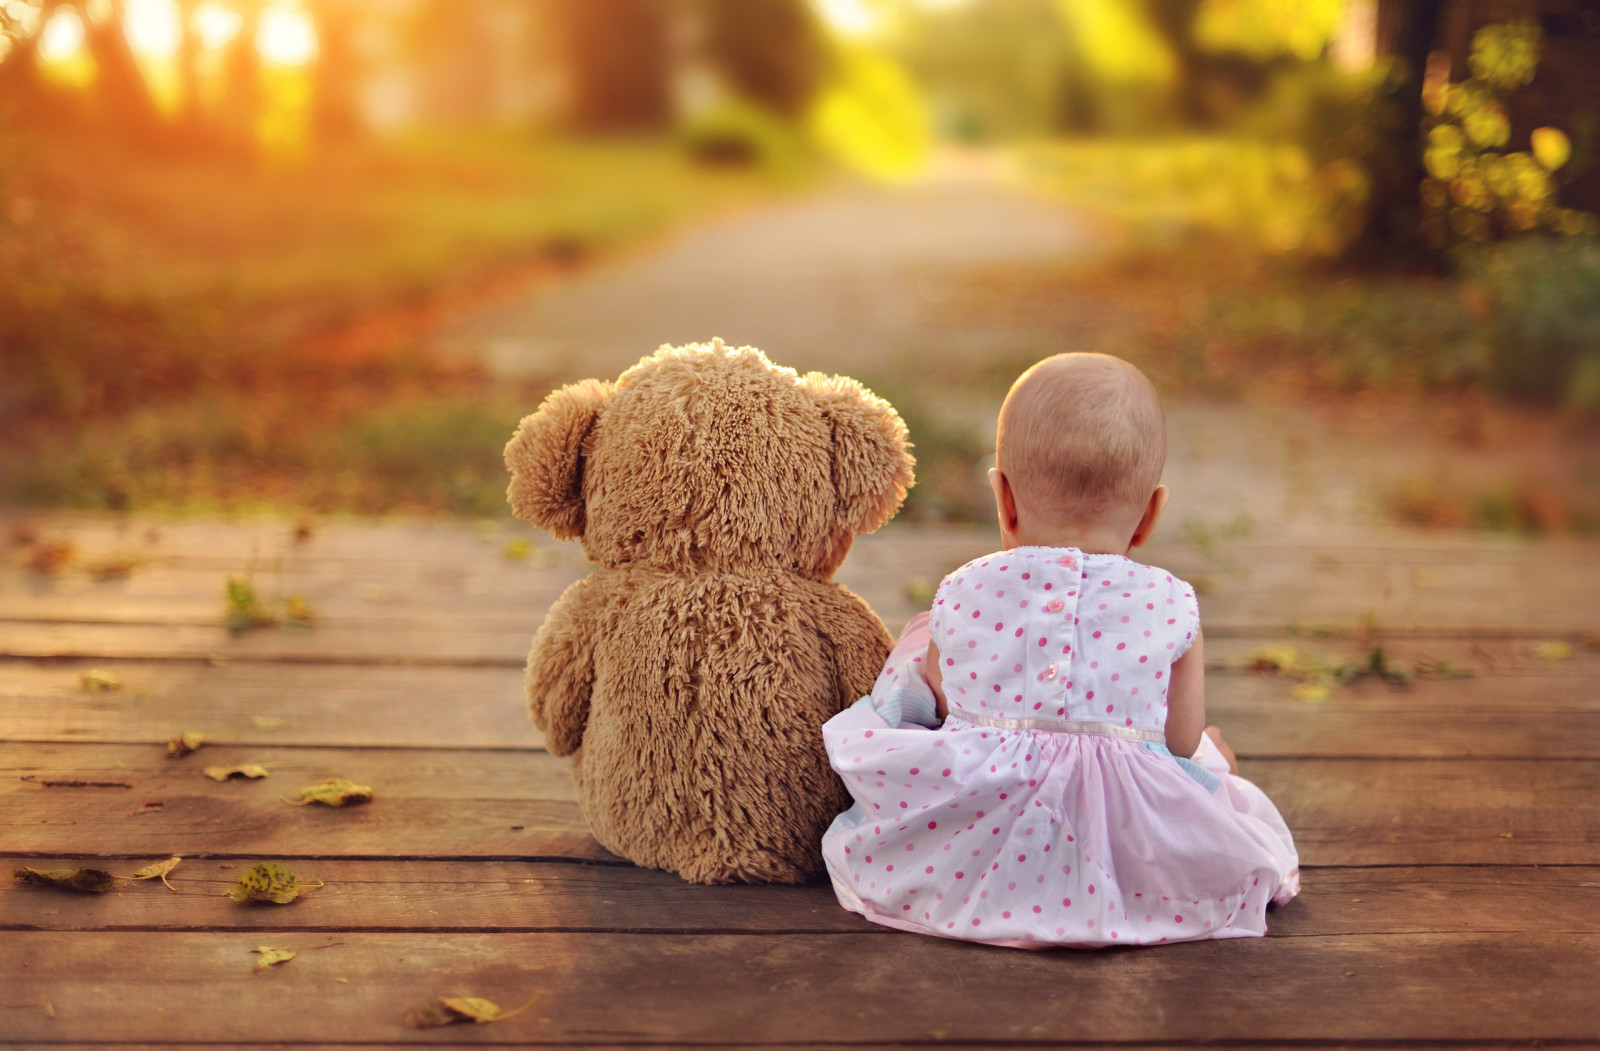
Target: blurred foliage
1476	191
736	131
772	52
1540	300
871	116
1266	29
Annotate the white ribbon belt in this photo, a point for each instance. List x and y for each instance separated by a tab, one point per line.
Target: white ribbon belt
1069	726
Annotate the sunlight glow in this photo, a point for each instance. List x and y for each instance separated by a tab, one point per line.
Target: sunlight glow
286	37
852	18
62	37
153	28
215	24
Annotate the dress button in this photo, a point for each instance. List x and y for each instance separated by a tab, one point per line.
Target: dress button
1055	605
1049	671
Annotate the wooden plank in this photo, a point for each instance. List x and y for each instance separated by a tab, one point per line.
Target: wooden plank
486	592
445	642
751	990
561	896
420	707
511	804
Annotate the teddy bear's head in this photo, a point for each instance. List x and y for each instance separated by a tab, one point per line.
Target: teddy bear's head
711	457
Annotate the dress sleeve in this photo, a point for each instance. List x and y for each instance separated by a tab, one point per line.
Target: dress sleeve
1186	618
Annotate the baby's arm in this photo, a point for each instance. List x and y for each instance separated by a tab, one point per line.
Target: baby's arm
1186	700
935	676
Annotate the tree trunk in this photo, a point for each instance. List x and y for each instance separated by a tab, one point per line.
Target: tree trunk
1406	31
120	93
616	55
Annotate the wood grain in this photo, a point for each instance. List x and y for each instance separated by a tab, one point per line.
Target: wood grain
396	895
751	989
442	803
1509	716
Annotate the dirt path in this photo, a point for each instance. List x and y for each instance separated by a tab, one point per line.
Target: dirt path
878	283
821	282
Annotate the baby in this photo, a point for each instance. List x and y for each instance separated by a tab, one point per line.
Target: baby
1048	807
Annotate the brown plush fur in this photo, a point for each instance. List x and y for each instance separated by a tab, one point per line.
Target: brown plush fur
689	676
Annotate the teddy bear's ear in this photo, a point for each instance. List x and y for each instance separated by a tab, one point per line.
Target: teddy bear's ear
871	454
546	457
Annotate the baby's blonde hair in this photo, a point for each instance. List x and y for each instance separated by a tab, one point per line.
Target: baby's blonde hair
1082	438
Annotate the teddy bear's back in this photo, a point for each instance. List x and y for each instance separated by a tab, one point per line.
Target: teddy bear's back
703	752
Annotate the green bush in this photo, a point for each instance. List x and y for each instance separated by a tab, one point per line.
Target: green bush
1542	298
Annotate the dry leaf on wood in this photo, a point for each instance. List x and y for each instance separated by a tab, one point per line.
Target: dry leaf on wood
114	567
269	722
1553	651
184	743
269	881
90	881
451	1009
270	956
253	771
159	871
335	791
97	681
50	558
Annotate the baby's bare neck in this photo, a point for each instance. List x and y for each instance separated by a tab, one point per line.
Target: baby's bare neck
1091	538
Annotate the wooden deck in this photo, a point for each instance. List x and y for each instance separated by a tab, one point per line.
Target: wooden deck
1450	829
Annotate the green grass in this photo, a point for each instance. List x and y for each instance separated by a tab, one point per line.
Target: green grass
194	332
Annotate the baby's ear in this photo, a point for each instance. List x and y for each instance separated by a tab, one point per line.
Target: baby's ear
546	458
871	454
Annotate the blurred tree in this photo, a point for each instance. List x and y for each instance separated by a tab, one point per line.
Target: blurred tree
1407	30
335	74
771	51
22	89
239	112
617	57
121	96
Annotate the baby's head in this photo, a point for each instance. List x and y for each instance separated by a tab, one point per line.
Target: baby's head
1080	446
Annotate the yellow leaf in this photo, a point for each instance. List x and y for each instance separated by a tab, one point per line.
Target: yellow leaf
252	771
517	550
1274	658
116	567
920	590
335	791
1553	651
184	743
97	681
451	1009
1310	691
270	956
159	871
1551	148
90	881
269	881
269	722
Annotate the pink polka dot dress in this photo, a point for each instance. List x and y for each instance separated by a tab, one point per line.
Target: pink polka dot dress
1046	810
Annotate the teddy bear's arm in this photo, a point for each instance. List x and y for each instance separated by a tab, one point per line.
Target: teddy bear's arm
561	667
857	639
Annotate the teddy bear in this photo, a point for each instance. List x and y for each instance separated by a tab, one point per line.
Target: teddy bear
689	675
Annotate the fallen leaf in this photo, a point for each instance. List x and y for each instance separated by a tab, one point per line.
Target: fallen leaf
1310	691
243	610
297	611
335	791
184	743
920	590
518	550
253	771
269	722
50	558
450	1009
270	956
96	681
90	881
23	534
1507	835
1274	658
1553	651
159	871
303	531
155	806
115	567
269	881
